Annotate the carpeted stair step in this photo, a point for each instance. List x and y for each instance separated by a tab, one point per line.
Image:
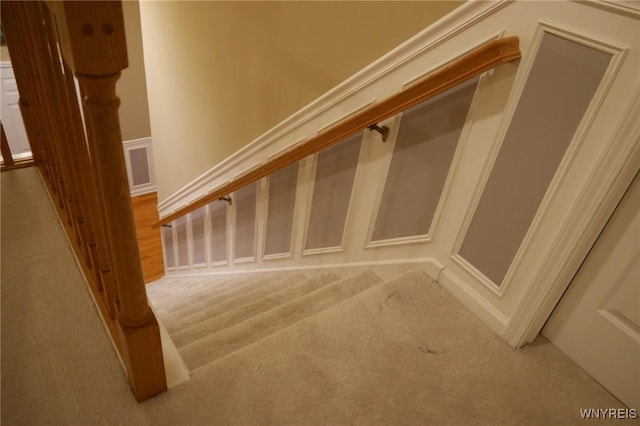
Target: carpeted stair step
213	347
214	296
171	292
185	290
217	286
389	346
244	312
197	313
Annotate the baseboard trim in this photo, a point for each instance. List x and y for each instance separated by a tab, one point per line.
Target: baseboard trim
428	264
473	301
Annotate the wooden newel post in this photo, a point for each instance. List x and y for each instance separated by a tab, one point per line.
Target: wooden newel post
93	42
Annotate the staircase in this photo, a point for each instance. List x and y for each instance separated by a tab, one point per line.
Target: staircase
211	317
317	348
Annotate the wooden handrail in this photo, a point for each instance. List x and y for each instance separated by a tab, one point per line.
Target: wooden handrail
476	62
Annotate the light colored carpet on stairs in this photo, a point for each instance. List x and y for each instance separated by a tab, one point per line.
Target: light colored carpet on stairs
401	352
244	312
210	348
195	316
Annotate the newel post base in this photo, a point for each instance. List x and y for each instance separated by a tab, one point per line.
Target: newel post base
144	363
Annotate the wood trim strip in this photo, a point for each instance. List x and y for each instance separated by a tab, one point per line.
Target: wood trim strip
476	62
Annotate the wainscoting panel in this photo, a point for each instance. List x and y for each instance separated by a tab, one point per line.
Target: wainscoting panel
139	162
182	242
422	156
245	230
139	166
281	202
563	79
168	246
198	244
218	232
334	177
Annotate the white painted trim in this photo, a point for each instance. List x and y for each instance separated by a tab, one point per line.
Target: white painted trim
345	116
429	264
283	137
618	7
399	241
473	301
597	199
277	256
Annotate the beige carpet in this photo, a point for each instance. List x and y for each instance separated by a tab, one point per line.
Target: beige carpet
398	352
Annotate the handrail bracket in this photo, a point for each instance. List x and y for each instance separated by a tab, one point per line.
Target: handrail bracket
384	131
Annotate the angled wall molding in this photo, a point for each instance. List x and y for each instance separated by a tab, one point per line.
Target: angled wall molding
327	109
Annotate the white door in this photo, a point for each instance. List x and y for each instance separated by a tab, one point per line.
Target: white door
597	321
11	116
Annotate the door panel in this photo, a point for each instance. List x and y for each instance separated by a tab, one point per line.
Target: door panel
597	322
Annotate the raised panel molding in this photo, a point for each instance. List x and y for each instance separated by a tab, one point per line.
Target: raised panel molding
142	187
617	57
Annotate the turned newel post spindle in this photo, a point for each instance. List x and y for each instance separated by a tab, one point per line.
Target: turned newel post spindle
101	108
93	42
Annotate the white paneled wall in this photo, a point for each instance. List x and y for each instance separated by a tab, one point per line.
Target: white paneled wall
497	188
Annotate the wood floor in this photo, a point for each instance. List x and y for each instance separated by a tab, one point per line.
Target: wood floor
146	213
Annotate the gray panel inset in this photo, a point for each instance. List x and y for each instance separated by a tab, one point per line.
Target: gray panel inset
562	82
422	155
139	166
218	213
282	199
183	251
197	236
245	202
335	174
167	239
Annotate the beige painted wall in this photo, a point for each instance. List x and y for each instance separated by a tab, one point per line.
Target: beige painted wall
132	86
222	73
